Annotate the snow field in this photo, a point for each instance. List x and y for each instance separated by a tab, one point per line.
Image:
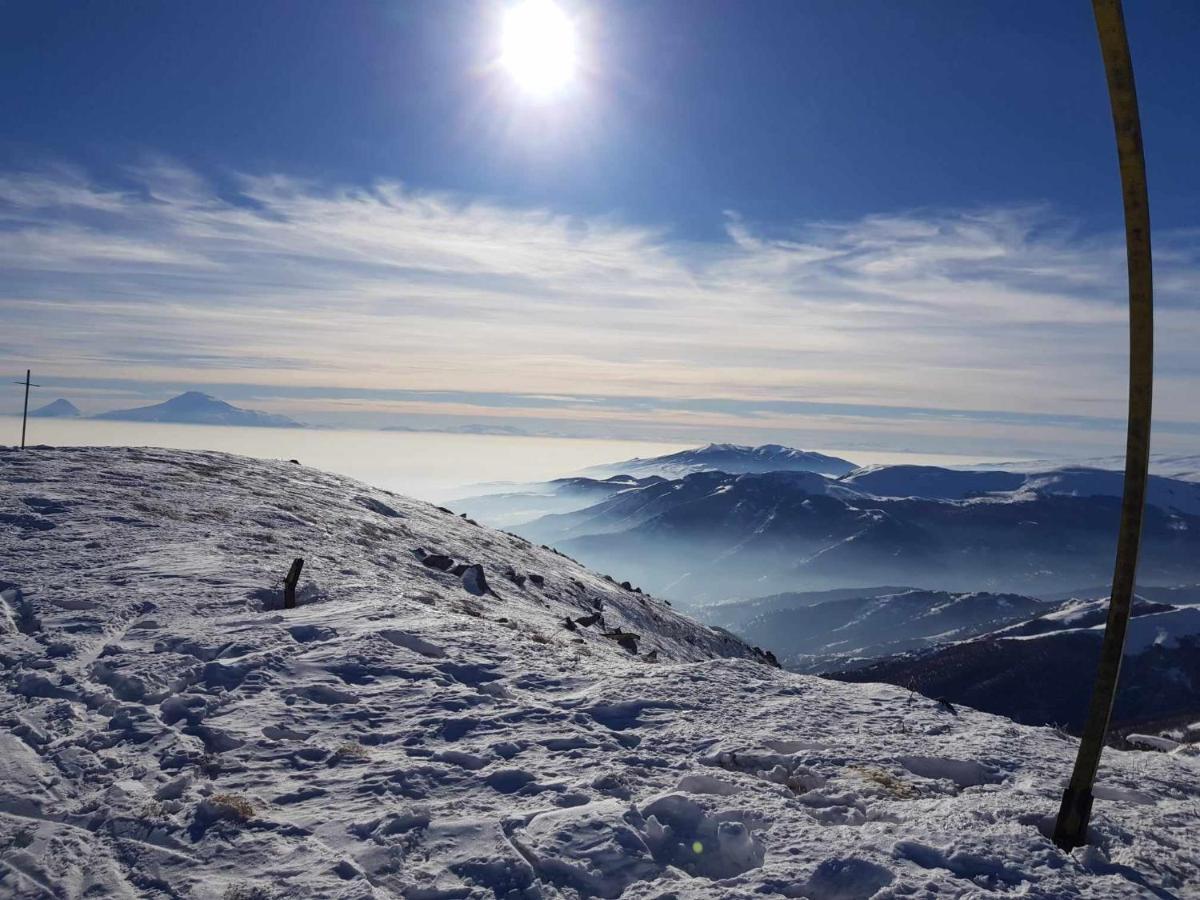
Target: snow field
167	730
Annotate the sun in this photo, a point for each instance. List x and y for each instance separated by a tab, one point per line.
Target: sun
539	47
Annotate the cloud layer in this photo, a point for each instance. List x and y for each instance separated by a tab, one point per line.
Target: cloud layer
937	327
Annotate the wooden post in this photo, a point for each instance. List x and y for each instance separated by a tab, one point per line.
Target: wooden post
289	583
25	412
1071	828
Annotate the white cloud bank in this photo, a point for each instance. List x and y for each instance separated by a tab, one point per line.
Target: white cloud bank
948	316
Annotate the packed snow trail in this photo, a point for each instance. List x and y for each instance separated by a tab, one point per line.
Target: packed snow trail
451	712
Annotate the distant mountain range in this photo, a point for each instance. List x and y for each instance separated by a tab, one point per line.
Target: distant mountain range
1181	467
197	408
934	483
57	409
1001	552
731	458
710	536
194	407
470	428
853	629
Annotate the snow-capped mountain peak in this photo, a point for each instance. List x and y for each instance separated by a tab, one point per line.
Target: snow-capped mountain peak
56	409
196	407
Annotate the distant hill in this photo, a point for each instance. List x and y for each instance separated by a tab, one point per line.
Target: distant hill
196	408
846	632
934	483
1041	672
526	502
732	458
469	428
1181	467
57	409
733	614
479	428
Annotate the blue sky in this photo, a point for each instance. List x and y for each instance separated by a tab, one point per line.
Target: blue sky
829	223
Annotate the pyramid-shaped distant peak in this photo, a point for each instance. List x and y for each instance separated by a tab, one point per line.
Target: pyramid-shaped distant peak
199	408
57	409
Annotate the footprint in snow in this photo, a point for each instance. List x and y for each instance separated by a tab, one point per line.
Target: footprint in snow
706	784
412	642
964	773
846	879
327	694
284	733
307	634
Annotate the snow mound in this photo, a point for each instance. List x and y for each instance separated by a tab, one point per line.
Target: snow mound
421	730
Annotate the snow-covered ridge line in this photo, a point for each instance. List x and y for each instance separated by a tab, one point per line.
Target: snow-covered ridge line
730	458
409	732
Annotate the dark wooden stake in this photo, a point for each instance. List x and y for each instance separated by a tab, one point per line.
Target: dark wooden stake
289	583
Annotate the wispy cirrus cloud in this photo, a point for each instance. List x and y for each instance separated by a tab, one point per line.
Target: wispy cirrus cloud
360	303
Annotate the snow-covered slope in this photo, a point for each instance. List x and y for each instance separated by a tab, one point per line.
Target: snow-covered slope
732	458
169	731
196	408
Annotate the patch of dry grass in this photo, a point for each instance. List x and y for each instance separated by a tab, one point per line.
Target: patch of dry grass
888	782
234	805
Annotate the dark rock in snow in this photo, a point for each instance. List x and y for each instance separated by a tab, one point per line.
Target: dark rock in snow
16	611
438	561
539	580
626	640
27	522
475	581
376	506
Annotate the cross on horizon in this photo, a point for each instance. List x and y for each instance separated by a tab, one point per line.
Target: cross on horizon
25	412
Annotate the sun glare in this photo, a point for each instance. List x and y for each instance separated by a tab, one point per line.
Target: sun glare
539	47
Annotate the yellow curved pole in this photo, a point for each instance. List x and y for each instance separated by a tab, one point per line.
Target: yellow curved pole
1071	828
